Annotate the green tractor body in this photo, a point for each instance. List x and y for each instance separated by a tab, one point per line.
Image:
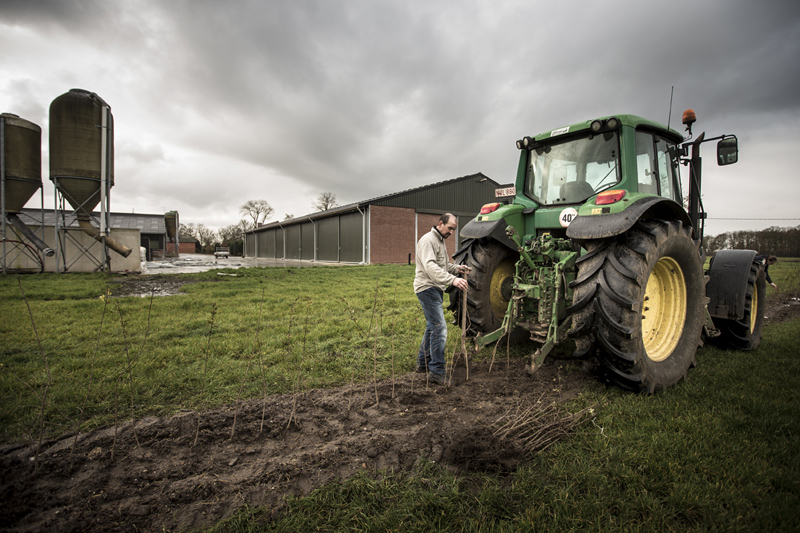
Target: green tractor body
592	243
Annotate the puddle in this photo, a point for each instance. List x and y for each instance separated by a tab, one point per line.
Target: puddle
193	263
190	264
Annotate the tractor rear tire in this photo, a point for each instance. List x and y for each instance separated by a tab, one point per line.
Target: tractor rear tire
493	266
745	334
639	305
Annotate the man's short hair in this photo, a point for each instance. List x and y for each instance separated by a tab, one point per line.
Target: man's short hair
444	219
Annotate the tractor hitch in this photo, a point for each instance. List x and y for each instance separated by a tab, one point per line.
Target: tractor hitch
539	292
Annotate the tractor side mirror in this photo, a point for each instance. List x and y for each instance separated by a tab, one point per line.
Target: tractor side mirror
727	151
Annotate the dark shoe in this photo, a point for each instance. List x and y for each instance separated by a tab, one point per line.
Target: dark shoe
420	370
439	379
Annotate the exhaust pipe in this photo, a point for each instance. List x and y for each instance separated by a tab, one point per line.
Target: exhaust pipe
86	226
30	235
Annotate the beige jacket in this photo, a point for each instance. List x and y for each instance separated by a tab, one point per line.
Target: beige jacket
433	268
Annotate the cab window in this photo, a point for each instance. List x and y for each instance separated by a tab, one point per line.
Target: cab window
570	170
668	174
657	166
645	159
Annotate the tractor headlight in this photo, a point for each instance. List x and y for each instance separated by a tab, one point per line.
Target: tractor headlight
597	125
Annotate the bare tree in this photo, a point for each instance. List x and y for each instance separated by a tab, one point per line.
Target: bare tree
230	234
245	226
258	210
288	216
325	201
234	232
204	235
187	230
233	236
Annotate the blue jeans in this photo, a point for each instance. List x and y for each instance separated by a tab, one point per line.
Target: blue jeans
431	350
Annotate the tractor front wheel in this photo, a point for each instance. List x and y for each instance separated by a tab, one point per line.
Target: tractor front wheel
638	305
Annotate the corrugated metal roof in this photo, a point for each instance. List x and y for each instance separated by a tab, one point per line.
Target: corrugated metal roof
431	197
145	223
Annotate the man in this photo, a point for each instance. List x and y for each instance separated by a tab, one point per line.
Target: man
768	260
434	274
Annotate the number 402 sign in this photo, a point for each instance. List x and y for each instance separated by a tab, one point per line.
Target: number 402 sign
567	216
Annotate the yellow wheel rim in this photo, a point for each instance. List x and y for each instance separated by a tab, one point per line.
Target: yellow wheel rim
664	309
500	287
754	309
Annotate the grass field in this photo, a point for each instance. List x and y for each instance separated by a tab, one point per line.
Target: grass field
263	331
718	452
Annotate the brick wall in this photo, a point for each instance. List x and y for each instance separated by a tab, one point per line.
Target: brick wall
391	234
185	248
424	224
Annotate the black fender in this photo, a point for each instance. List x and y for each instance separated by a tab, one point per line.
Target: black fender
727	286
496	229
588	227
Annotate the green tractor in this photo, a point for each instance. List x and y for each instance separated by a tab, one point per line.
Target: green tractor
593	243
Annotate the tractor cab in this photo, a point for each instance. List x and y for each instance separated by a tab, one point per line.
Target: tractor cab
569	165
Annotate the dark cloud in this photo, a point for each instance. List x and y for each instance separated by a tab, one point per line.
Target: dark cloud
74	14
363	98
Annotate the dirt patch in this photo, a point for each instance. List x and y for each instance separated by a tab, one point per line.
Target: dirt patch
782	307
282	446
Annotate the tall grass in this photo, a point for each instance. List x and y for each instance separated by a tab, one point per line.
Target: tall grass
155	356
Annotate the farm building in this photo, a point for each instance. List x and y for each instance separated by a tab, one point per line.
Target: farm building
131	229
379	230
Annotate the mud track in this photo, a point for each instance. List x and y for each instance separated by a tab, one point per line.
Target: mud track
157	478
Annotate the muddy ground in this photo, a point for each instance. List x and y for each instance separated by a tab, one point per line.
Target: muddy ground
286	445
782	307
166	474
144	286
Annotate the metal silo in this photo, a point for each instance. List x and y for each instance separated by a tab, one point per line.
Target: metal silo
20	178
82	160
172	223
81	126
21	161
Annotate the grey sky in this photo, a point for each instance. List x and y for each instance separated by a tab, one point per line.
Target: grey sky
216	102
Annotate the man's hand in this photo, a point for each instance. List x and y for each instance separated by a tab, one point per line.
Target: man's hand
774	286
464	269
460	283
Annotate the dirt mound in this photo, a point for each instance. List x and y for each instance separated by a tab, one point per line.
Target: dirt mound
164	473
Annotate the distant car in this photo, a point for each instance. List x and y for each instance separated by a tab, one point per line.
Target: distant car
222	251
